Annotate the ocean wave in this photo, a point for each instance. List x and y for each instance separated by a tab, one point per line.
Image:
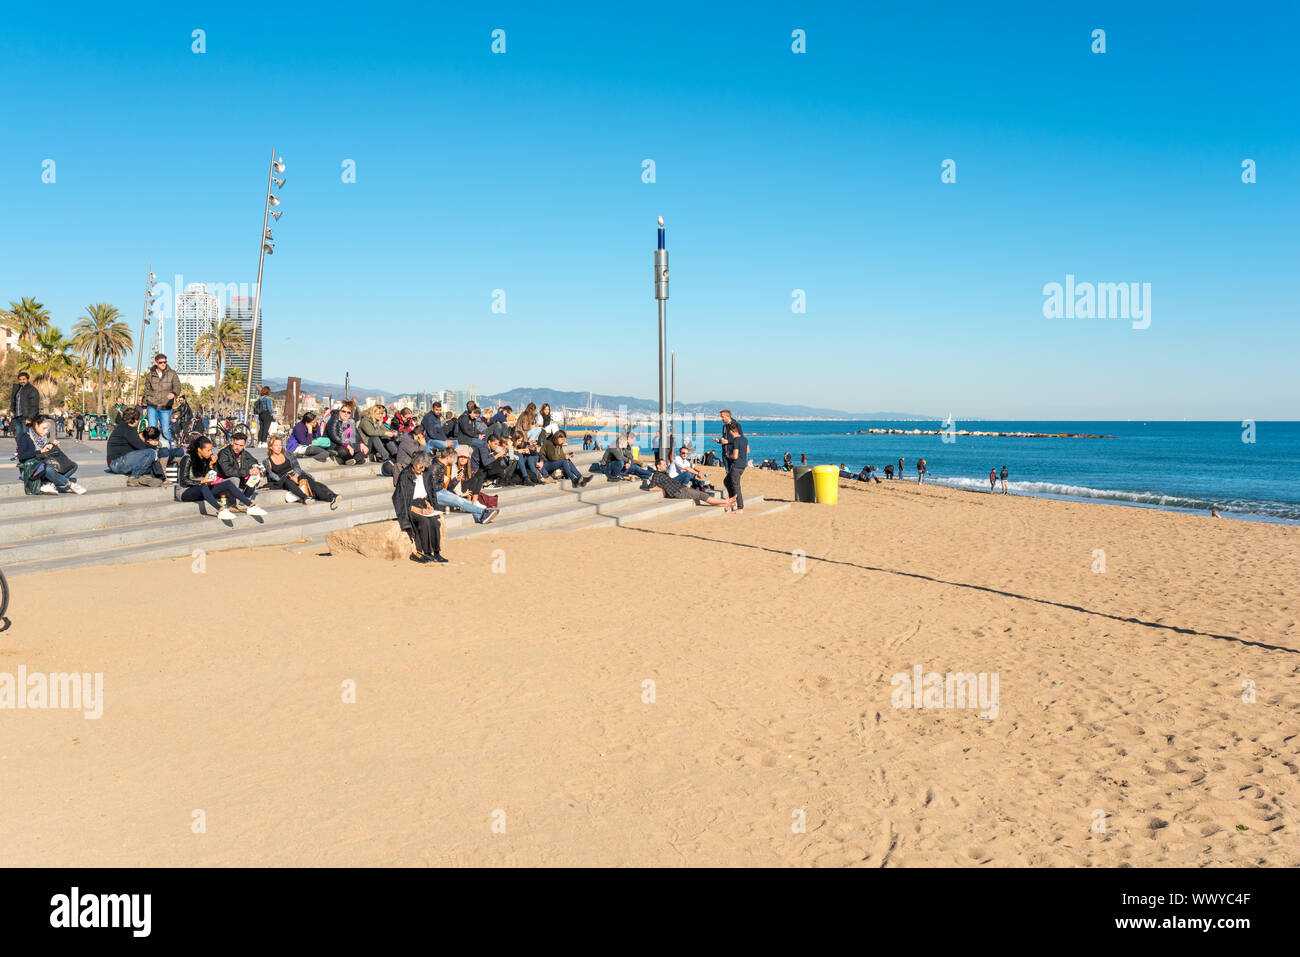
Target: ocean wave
1288	511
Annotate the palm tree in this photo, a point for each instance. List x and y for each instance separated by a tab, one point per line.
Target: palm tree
79	372
224	340
233	382
30	317
117	382
103	338
48	355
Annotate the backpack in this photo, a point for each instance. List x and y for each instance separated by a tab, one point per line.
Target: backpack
31	472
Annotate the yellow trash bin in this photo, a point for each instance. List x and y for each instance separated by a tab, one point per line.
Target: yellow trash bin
826	482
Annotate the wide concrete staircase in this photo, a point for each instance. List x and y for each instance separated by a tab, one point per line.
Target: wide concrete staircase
113	524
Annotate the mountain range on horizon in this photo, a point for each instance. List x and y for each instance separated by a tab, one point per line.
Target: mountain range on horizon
518	398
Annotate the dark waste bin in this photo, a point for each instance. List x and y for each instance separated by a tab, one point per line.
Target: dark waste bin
804	490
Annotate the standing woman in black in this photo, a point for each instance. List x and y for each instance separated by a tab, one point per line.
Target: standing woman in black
737	460
265	413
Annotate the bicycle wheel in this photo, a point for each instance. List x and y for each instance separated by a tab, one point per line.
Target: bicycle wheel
4	594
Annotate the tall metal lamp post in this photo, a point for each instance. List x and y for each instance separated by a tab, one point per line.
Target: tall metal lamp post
661	294
268	247
144	321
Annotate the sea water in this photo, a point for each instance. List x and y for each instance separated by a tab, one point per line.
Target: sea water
1245	472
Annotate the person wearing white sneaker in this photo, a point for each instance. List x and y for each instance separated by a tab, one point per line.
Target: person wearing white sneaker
36	443
283	472
257	511
48	488
197	479
77	488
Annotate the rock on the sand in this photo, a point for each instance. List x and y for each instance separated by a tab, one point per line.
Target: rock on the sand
379	540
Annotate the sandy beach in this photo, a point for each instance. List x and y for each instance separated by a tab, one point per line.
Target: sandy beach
503	717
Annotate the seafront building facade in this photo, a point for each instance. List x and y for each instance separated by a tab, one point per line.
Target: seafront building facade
241	310
197	311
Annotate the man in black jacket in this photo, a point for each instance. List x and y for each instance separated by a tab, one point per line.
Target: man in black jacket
432	425
469	427
236	463
25	402
130	455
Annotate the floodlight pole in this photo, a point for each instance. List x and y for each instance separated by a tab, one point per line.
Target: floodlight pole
257	293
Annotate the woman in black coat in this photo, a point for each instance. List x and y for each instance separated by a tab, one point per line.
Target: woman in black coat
413	502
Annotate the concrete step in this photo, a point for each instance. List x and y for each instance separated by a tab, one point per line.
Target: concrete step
629	511
91	511
86	531
217	538
558	512
200	519
754	507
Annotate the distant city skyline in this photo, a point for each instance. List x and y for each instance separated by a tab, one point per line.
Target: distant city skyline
866	208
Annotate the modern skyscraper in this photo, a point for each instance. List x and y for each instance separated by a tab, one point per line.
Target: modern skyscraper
241	311
197	310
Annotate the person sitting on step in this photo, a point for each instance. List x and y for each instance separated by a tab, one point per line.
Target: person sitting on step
302	440
299	485
449	473
197	479
130	455
488	463
36	444
556	456
345	440
236	463
413	505
375	436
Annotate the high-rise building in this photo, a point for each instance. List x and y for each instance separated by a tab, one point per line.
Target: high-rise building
241	311
197	311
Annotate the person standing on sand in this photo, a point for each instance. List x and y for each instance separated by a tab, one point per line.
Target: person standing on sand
1003	476
738	459
993	481
725	440
900	468
920	471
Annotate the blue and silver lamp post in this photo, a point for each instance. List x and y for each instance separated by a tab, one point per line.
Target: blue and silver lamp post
661	294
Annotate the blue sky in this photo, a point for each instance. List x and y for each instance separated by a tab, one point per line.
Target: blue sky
775	171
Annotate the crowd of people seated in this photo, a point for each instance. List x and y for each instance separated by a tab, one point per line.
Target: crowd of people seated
436	463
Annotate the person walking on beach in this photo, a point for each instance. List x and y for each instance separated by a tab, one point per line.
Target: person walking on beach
1003	476
993	481
920	471
900	468
738	458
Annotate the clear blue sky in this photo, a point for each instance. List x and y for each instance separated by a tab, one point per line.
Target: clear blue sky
775	172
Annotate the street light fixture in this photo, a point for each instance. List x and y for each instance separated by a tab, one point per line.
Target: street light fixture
277	166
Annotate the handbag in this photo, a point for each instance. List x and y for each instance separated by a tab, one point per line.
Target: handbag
322	442
304	487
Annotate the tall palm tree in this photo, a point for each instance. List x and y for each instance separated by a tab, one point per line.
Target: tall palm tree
103	337
30	316
49	356
78	373
233	382
222	342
